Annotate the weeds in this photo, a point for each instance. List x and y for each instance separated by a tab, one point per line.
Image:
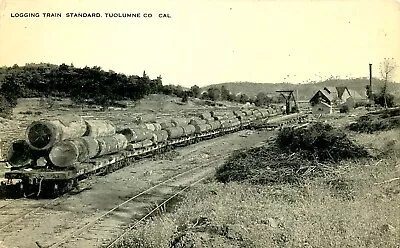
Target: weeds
377	121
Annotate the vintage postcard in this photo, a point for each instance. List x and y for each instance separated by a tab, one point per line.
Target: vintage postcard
182	124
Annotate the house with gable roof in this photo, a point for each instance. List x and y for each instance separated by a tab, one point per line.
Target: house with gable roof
325	99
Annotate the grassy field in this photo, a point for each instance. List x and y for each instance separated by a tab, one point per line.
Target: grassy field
356	206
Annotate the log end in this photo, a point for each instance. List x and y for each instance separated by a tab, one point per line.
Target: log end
18	154
64	154
40	135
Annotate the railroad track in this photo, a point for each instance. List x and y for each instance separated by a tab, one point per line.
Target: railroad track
14	207
128	214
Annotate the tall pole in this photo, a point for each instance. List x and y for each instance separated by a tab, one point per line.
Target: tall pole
370	81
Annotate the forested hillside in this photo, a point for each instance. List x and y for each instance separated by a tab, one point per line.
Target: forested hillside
93	85
37	80
306	91
88	84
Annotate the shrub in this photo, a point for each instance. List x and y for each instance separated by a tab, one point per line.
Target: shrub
380	99
378	121
344	109
5	107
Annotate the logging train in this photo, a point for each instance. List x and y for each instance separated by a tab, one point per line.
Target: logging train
56	154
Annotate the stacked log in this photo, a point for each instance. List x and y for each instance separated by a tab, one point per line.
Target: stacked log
19	154
159	136
157	126
257	113
201	128
43	134
174	132
135	134
215	113
239	114
220	118
138	145
150	126
98	128
179	122
111	144
68	152
224	123
197	121
166	124
205	116
70	140
214	125
188	130
141	125
234	122
264	112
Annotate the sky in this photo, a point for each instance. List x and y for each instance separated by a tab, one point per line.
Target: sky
207	41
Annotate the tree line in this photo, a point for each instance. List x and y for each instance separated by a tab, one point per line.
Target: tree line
88	84
93	85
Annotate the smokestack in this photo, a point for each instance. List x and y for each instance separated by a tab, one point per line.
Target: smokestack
370	80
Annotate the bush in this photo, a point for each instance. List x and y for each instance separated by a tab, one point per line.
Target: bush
371	123
344	109
380	100
362	104
5	107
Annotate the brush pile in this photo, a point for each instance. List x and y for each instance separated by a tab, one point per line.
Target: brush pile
296	153
377	121
264	165
319	142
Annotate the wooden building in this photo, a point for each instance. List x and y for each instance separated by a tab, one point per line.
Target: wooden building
322	108
335	97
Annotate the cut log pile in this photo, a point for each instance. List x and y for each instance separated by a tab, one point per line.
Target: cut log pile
66	141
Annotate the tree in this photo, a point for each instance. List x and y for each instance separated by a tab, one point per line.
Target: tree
387	69
195	91
243	98
224	93
262	99
185	96
5	107
232	98
214	93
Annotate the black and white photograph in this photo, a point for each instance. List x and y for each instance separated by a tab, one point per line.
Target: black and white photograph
200	123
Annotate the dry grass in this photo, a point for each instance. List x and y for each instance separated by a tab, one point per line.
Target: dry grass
382	143
358	208
358	205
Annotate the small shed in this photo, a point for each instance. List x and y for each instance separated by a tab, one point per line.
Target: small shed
321	108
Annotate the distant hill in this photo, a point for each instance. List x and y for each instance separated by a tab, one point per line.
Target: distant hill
306	91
